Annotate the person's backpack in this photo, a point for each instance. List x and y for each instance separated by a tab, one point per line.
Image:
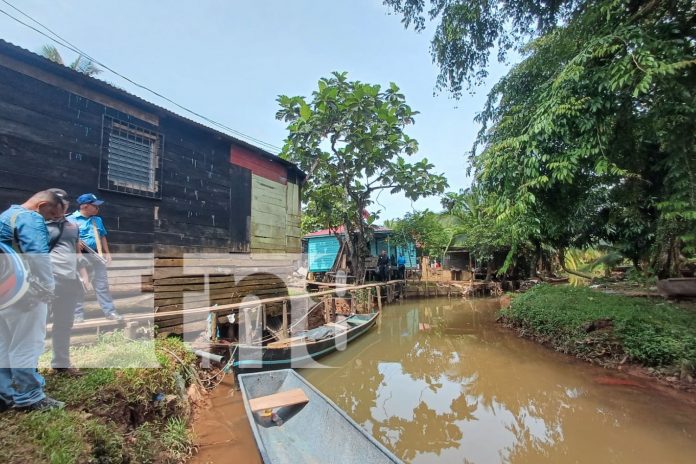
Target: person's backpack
14	277
16	281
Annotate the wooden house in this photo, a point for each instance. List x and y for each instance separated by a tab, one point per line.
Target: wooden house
322	248
172	186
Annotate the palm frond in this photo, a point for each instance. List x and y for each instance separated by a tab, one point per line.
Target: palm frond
85	66
52	53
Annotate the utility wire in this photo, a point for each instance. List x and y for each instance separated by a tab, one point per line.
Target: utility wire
65	43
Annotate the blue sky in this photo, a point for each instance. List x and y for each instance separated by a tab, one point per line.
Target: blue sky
229	60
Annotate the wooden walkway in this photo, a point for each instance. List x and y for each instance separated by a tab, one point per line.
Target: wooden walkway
218	310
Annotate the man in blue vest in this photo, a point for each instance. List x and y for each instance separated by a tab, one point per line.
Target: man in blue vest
401	262
95	249
23	324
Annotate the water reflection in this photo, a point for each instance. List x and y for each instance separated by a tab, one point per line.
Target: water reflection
439	381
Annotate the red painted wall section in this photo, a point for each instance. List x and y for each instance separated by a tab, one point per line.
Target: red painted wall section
258	165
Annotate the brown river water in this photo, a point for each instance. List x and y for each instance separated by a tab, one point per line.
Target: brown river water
439	381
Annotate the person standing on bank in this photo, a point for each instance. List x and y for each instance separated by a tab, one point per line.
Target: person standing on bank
382	265
401	262
96	250
71	282
23	324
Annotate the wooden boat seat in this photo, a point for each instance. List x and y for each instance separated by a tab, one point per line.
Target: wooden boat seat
279	400
286	342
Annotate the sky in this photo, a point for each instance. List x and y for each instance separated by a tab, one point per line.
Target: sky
229	60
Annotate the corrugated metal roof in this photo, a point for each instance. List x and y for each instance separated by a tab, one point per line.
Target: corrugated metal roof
339	230
28	56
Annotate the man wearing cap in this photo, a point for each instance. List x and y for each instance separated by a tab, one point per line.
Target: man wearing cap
23	324
93	241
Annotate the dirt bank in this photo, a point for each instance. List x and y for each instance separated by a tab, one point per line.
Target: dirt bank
221	428
641	337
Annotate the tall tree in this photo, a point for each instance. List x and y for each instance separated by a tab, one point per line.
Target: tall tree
80	64
349	138
593	135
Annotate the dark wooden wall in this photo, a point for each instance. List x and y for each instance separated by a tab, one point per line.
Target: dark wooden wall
51	137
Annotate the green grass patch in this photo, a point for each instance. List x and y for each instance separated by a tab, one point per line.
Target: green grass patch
130	414
605	327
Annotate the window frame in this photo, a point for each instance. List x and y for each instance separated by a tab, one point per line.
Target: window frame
120	127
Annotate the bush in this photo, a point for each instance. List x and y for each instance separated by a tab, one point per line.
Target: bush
131	414
600	326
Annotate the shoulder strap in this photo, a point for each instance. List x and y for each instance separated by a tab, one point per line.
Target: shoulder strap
54	241
13	227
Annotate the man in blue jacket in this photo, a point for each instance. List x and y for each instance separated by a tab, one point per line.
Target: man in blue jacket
93	236
23	324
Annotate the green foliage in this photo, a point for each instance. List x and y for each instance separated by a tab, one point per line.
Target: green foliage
349	138
474	225
110	415
592	137
177	439
469	30
653	334
425	228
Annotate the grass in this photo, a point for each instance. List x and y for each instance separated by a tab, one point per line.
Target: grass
130	414
112	350
608	328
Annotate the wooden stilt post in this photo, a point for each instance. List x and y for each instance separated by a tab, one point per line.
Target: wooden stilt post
379	297
285	319
327	308
247	326
213	327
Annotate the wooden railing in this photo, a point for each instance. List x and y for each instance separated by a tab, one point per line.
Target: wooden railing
237	306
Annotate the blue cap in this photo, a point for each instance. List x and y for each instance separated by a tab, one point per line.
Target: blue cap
89	198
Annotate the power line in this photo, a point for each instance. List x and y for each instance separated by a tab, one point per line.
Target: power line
65	43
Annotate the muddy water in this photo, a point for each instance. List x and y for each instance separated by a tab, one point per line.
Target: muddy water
440	381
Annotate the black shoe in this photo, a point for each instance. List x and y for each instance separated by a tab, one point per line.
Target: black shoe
114	316
4	406
45	404
68	371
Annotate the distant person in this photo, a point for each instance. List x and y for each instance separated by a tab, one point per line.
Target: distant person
71	282
95	249
401	263
23	324
382	265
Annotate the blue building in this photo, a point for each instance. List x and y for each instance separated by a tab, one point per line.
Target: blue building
323	246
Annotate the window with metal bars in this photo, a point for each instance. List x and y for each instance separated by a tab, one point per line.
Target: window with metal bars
131	159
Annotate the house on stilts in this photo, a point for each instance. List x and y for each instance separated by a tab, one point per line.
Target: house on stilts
323	251
172	186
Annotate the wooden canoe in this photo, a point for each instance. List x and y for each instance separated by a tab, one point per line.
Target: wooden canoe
678	287
313	429
301	350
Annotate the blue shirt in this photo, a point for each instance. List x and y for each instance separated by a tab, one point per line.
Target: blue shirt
86	229
32	237
401	261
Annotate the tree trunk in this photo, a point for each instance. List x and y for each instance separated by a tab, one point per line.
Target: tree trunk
667	257
561	261
537	262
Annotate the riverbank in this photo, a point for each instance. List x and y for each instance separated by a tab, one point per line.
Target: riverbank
654	335
137	410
